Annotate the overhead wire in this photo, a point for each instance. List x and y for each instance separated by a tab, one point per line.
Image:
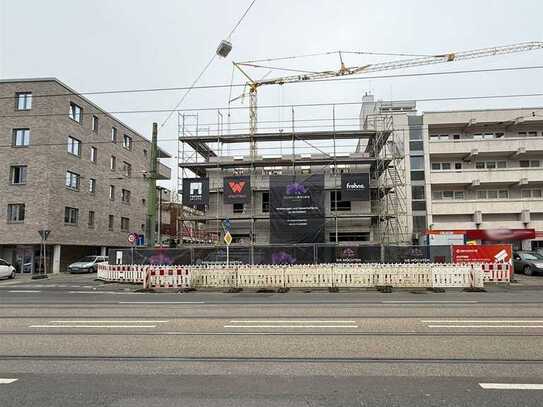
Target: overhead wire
241	85
205	68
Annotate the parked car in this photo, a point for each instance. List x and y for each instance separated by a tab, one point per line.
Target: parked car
6	269
528	263
88	264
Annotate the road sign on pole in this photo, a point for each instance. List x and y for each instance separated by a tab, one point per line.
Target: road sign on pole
227	238
227	225
132	238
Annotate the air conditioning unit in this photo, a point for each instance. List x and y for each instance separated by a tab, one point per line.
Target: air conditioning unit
478	217
525	216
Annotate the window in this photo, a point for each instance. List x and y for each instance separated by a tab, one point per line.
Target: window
75	113
459	195
125	196
528	163
145	153
72	180
92	185
127	142
91	219
456	136
112	192
265	202
443	166
532	134
417	175
127	169
457	166
95	123
113	134
113	163
436	195
24	100
336	202
503	194
74	146
436	166
111	222
417	163
480	165
416	146
417	192
17	174
71	215
502	164
440	137
490	165
418	205
492	194
531	193
237	208
481	194
125	224
419	223
93	154
21	137
448	194
16	213
143	201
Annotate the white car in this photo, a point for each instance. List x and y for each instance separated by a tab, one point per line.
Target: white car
88	264
6	269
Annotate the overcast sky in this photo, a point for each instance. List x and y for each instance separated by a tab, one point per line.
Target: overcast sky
127	44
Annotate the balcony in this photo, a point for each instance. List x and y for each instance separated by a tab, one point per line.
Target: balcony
486	206
502	147
496	177
164	172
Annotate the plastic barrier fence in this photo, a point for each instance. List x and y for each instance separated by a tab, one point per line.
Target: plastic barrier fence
305	276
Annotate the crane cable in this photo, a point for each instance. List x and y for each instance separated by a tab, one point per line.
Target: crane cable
205	68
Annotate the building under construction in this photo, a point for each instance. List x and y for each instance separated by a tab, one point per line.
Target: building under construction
291	186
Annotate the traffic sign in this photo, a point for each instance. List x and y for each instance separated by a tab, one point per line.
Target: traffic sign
227	225
227	238
132	237
44	234
141	240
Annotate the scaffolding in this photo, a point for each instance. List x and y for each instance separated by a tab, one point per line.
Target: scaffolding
328	145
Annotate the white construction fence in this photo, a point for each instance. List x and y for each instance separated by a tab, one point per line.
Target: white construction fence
426	275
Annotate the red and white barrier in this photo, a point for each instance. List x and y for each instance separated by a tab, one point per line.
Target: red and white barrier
166	277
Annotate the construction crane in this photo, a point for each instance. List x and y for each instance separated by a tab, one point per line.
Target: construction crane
343	70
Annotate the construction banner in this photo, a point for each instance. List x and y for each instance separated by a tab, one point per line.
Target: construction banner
297	208
237	190
195	191
355	186
496	253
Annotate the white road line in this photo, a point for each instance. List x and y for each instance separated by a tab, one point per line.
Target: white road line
92	326
290	326
7	381
485	326
484	321
161	302
429	302
108	321
511	386
102	292
289	321
24	291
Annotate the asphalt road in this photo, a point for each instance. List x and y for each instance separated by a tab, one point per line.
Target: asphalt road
72	341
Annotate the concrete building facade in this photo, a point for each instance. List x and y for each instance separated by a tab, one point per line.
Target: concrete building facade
69	167
472	170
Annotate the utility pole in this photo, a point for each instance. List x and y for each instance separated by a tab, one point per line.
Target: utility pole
151	193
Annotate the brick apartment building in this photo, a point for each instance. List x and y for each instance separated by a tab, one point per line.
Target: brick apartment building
69	167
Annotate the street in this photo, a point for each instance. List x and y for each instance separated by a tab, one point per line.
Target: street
73	341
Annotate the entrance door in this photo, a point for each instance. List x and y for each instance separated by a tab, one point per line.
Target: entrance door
24	259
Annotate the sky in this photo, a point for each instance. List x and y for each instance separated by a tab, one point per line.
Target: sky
137	44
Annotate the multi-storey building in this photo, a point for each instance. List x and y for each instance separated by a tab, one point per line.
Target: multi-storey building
69	167
472	172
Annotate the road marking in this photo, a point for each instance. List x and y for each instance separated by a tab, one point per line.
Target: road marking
24	291
7	381
289	321
161	302
290	326
511	386
108	321
485	326
429	302
484	321
101	292
92	326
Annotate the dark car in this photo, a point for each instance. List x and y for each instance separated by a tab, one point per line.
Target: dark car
528	263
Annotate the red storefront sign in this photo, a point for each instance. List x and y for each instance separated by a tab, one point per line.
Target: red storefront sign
496	253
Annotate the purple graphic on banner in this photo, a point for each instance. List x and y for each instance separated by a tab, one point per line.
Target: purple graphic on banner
282	258
296	188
